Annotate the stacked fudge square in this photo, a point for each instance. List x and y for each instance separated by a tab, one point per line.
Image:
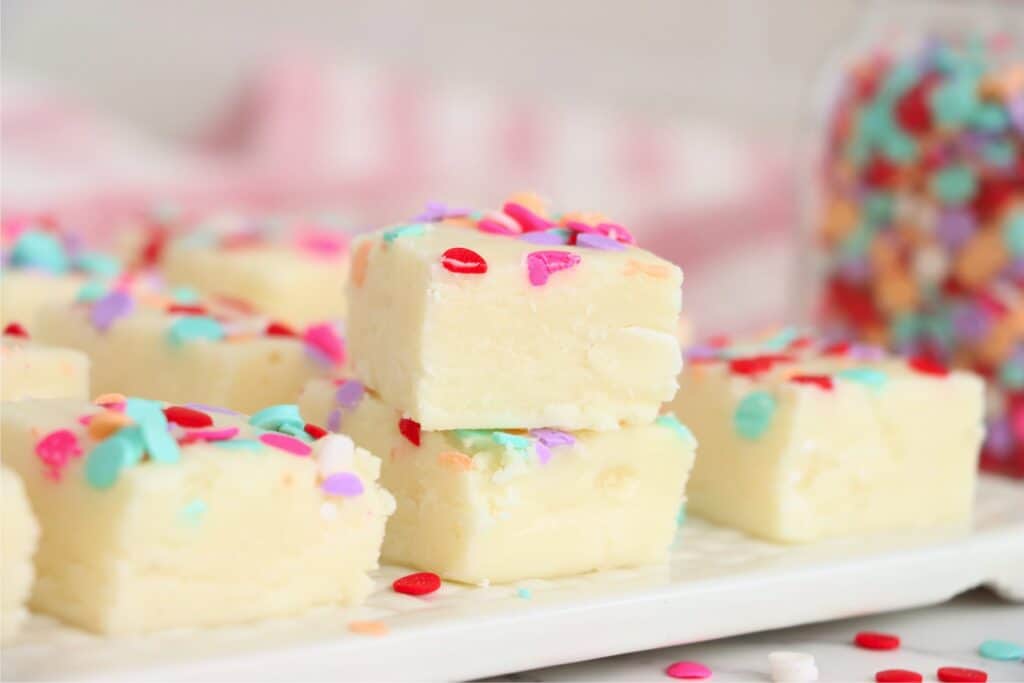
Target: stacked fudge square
510	368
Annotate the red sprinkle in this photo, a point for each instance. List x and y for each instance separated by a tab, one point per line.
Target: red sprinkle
187	417
15	330
928	366
410	429
315	431
898	676
755	365
188	309
872	640
823	381
276	329
462	260
956	674
837	349
420	583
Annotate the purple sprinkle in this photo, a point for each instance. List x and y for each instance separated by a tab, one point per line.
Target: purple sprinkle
343	484
438	211
1015	108
349	394
211	409
998	437
955	227
867	353
334	420
319	357
970	323
595	241
548	237
543	452
106	310
702	352
553	437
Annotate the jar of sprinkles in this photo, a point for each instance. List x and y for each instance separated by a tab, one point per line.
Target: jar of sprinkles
917	206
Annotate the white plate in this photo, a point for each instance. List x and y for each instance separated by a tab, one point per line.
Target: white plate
718	583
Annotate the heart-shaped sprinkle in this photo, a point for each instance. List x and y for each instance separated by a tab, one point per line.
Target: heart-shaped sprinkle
540	265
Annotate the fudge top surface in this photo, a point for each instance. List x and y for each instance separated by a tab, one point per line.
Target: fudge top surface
265	239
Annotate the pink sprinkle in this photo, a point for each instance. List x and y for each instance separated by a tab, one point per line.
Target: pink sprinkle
688	670
323	244
286	443
56	450
616	232
529	221
494	227
540	265
326	341
222	434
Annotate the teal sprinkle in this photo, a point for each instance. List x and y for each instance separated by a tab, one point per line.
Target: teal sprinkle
524	593
132	434
870	377
192	327
899	79
194	511
298	431
38	249
672	422
412	230
990	118
1013	233
239	445
513	441
781	339
140	409
681	515
275	417
857	242
92	290
955	184
878	208
469	438
1002	650
159	443
953	103
105	462
754	414
904	328
939	328
900	147
476	215
1000	153
99	264
1011	375
184	295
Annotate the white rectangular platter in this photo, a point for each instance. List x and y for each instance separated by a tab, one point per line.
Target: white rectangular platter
718	583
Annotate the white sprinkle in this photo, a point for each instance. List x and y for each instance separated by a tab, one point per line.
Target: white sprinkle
793	667
334	454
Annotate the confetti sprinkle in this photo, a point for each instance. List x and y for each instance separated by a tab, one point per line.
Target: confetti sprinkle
349	394
278	329
595	241
56	450
754	414
872	640
688	671
524	593
326	341
513	441
334	453
553	237
108	309
410	429
527	220
194	511
15	330
462	260
102	425
286	443
344	484
1002	650
541	265
869	377
315	431
898	676
40	250
456	460
360	263
420	583
412	230
956	674
792	667
104	463
219	434
820	381
273	417
368	628
187	417
673	423
192	327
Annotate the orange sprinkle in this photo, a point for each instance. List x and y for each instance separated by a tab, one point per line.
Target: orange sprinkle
455	460
530	200
360	260
368	628
460	221
104	399
106	423
655	270
588	217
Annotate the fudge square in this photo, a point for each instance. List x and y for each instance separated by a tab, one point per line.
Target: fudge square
292	270
18	542
32	370
459	327
802	441
144	344
481	506
156	516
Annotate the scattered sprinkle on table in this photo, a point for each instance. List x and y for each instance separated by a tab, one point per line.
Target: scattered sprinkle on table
420	583
792	667
368	628
688	671
872	640
1002	650
898	676
956	674
524	593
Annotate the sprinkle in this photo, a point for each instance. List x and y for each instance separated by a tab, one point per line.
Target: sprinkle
462	260
871	640
219	434
286	443
540	265
187	417
472	437
1002	650
368	628
820	381
954	185
187	309
277	329
898	676
315	431
420	583
298	431
102	425
956	674
192	327
543	452
38	249
412	230
194	511
344	484
869	377
91	291
360	262
96	263
212	409
792	667
15	330
456	460
527	219
681	514
927	366
753	366
438	211
681	430
553	437
410	429
334	420
110	399
524	593
334	453
325	340
616	232
104	463
688	671
56	450
495	226
325	245
553	237
659	271
184	295
272	417
349	394
239	444
595	241
106	310
513	441
754	414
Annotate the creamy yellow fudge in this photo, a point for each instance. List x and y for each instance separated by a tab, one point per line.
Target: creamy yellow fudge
145	344
460	325
32	370
801	441
17	544
156	516
482	506
293	271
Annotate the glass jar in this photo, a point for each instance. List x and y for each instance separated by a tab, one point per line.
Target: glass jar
916	205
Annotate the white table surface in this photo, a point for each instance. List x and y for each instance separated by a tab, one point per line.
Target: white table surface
941	635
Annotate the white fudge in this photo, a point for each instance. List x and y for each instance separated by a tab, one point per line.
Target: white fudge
144	345
31	370
18	543
460	327
293	272
208	520
801	442
479	506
